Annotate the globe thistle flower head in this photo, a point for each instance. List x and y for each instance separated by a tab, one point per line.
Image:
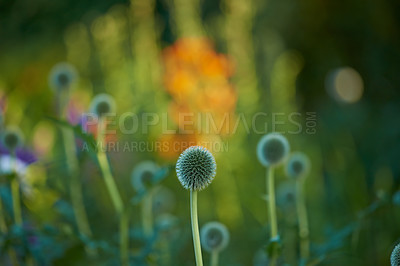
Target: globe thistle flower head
103	104
62	76
298	165
272	149
395	257
143	175
196	168
214	236
12	138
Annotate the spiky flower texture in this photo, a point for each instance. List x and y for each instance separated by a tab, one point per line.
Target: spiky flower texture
272	149
395	257
196	168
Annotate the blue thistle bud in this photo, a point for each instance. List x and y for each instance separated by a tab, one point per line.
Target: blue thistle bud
214	236
395	257
272	149
62	76
12	138
196	168
143	175
103	104
298	165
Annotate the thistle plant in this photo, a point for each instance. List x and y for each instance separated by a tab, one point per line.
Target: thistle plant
395	257
272	151
196	168
12	139
101	105
214	238
298	167
61	78
142	179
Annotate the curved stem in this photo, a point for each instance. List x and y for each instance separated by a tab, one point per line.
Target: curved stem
110	183
214	258
303	221
106	171
115	196
195	228
75	183
272	210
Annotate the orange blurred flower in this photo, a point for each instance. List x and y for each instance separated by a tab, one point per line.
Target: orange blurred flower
198	80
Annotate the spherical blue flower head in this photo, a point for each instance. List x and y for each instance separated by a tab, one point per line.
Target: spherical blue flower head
298	165
214	236
196	168
12	138
272	149
395	257
102	104
62	76
143	175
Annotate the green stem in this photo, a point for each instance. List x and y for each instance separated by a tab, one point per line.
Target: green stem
110	183
115	196
3	224
271	203
75	183
16	201
4	230
214	258
147	214
15	194
195	228
124	238
272	210
303	221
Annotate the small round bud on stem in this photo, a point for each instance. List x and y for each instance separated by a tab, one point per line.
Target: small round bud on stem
103	104
143	175
272	149
298	165
196	168
12	138
62	76
214	236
